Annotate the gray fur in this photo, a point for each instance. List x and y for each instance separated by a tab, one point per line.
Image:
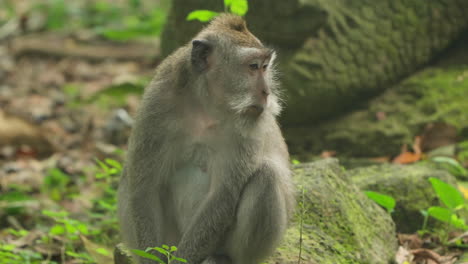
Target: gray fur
200	173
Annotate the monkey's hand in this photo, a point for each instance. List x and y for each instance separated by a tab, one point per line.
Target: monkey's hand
208	226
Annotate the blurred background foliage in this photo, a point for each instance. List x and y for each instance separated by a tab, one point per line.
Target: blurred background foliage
118	20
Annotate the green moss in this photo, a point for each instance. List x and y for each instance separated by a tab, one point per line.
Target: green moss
444	94
435	94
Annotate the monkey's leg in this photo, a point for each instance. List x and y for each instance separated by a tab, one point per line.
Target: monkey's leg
260	222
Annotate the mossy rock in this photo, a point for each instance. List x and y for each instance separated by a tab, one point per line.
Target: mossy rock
122	255
340	224
437	94
408	185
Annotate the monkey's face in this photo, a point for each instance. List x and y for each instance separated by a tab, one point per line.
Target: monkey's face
250	91
245	85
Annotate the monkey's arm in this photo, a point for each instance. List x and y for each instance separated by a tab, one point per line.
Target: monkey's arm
141	208
140	213
205	232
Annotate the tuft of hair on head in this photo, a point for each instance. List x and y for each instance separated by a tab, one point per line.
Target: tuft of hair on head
235	28
229	22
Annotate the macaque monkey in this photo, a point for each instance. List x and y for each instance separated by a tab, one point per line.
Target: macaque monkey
207	168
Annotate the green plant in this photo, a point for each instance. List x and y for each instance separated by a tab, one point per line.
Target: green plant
70	231
237	7
107	179
165	250
122	21
383	200
453	201
55	184
9	254
452	166
71	228
295	161
462	154
56	14
13	201
12	254
103	213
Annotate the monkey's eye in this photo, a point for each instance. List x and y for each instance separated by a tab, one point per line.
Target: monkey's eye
265	67
254	66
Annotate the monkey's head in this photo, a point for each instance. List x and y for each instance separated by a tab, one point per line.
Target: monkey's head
235	70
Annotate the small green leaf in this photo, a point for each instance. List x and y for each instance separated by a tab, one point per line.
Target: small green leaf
57	14
57	230
295	162
179	259
147	255
458	222
70	228
82	228
166	247
173	248
103	251
201	15
440	213
114	163
161	250
239	7
7	247
113	171
448	194
102	165
18	233
384	200
55	215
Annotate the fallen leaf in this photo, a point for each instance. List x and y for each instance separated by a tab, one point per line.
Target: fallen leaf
328	154
464	191
380	159
403	256
406	156
410	241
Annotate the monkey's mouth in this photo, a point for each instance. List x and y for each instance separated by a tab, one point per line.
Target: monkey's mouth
254	110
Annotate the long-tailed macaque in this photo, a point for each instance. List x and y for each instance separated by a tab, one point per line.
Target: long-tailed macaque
207	167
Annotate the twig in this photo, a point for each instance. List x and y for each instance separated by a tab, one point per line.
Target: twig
301	224
64	46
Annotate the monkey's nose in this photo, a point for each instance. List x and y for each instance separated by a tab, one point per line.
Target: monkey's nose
255	109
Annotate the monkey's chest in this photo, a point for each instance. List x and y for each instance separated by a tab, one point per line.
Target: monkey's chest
190	185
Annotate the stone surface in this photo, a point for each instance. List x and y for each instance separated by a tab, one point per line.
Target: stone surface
408	185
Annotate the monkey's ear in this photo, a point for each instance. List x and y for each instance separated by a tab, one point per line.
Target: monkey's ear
201	49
